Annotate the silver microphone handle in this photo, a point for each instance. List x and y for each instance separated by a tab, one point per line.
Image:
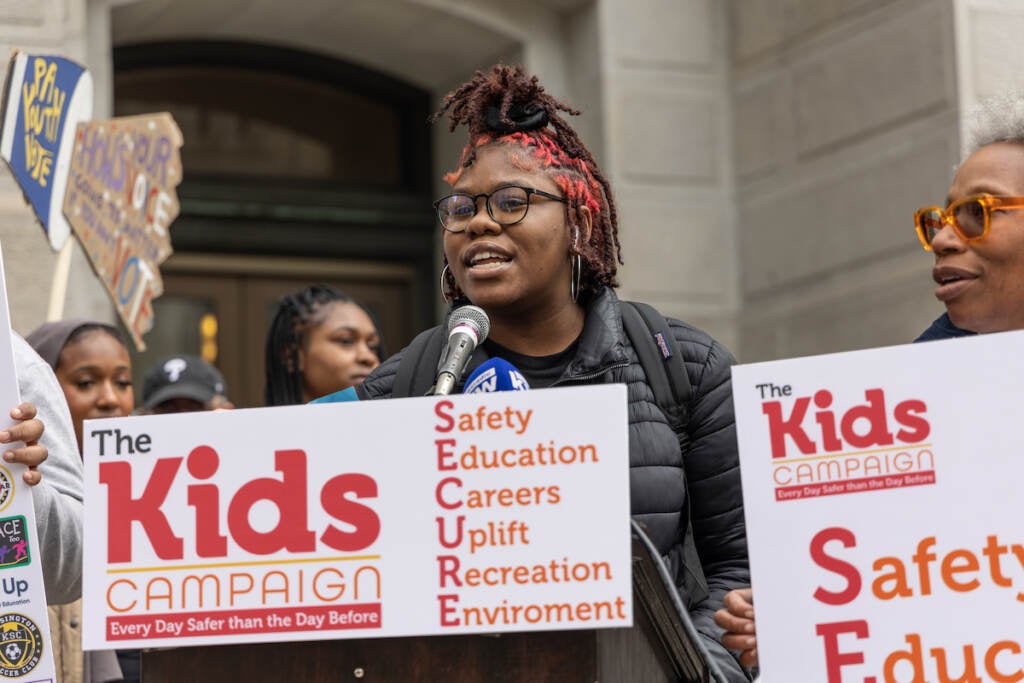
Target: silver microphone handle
444	385
461	348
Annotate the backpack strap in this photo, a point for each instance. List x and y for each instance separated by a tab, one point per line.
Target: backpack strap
665	368
418	367
649	333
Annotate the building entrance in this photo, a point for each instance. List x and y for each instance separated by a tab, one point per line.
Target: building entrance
298	169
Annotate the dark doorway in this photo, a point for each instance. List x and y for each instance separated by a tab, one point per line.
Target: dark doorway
298	168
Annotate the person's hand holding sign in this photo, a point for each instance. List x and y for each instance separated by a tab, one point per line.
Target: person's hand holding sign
737	618
28	430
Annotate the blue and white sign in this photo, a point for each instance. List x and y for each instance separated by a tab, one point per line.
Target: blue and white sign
46	99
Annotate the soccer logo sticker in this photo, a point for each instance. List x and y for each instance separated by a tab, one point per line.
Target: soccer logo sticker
6	488
21	645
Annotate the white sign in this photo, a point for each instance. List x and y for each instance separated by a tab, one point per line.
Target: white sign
25	652
465	514
884	512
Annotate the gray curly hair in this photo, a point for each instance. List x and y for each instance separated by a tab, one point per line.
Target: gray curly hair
999	118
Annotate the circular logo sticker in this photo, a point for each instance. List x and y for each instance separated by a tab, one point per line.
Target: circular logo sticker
6	488
21	645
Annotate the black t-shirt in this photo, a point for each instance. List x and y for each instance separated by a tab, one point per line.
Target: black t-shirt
539	371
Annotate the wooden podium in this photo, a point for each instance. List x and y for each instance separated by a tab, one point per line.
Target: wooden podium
661	646
608	656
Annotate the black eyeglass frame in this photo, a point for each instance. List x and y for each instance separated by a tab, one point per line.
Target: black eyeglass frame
487	203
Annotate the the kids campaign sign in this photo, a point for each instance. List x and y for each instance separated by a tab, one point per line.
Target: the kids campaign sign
463	514
25	648
884	513
46	98
121	199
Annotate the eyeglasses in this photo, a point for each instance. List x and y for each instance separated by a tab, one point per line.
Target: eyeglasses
969	217
506	206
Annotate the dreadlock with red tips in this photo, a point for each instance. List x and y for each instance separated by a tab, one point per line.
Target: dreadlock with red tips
508	106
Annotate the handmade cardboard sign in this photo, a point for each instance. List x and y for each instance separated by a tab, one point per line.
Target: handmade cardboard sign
120	201
437	515
113	182
881	491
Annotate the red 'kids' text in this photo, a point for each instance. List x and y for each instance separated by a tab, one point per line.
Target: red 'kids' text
340	498
865	425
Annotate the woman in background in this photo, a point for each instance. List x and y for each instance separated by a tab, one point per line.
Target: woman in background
94	370
93	367
320	341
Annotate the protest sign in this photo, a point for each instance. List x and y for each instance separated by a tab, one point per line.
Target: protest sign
463	514
113	182
881	491
120	201
46	97
25	650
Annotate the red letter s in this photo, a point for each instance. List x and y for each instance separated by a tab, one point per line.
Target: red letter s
832	564
915	427
343	509
447	421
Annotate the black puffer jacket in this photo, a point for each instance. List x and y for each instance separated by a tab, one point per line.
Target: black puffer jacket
658	478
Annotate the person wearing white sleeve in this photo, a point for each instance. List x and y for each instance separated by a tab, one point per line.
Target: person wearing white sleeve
57	498
92	369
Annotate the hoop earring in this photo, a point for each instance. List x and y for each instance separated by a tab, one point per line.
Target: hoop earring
574	278
445	293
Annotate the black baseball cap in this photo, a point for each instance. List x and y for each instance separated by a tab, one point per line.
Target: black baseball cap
182	376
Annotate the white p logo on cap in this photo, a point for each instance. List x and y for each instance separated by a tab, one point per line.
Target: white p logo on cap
174	367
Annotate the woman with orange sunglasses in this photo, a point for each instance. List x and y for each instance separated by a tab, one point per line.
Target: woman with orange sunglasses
978	239
978	243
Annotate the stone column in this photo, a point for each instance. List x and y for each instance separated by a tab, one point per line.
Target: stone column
668	140
989	49
845	123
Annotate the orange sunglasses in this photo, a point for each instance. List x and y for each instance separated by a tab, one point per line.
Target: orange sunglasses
970	217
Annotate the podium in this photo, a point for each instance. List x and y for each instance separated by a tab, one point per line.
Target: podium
661	646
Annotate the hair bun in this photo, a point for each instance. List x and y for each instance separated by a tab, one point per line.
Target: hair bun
521	117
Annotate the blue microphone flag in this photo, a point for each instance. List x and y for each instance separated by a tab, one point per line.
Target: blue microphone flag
495	374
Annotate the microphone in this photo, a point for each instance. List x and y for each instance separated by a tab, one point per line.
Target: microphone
467	327
496	374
